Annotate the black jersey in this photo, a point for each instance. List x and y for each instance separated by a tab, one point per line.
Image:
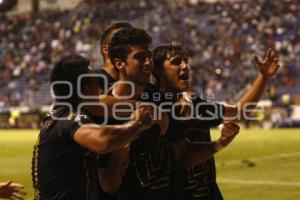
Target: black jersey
107	80
148	174
198	182
105	83
61	168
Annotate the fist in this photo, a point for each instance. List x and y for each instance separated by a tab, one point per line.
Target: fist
144	116
186	104
228	133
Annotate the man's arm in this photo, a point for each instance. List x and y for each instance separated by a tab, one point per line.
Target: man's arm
268	67
105	139
110	177
189	154
109	101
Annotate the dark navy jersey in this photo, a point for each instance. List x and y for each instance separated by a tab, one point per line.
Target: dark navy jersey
198	182
148	174
108	81
61	168
175	130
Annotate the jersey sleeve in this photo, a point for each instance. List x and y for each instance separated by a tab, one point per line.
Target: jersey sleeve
75	123
208	114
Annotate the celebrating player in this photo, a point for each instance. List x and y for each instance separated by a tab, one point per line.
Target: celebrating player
64	164
172	72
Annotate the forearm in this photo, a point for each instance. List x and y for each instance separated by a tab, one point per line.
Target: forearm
197	153
106	104
249	100
110	179
105	139
121	135
254	94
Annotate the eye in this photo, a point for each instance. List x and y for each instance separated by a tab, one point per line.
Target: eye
186	60
176	61
141	56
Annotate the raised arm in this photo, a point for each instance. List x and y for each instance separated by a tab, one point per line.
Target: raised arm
268	67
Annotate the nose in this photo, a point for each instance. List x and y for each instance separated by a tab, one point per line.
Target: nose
148	61
185	66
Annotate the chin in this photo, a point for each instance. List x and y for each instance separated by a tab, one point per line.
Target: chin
180	88
184	87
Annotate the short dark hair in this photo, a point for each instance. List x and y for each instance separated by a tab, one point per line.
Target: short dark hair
122	41
107	34
68	69
160	54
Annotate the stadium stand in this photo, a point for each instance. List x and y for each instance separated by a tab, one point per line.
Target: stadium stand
220	36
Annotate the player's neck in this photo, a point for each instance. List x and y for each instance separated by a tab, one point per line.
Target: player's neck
165	88
110	69
123	88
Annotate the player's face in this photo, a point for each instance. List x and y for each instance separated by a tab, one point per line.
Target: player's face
139	65
176	72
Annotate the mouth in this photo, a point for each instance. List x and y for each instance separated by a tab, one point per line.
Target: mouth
148	70
184	76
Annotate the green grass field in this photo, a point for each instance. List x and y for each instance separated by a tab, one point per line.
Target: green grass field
259	164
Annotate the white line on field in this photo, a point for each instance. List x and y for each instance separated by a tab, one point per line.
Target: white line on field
251	182
284	155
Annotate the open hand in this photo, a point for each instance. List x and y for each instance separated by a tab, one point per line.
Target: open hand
269	66
10	190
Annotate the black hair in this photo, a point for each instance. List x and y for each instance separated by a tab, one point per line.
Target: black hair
107	34
122	41
68	69
160	54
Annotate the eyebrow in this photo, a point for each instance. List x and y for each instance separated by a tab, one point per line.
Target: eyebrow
147	52
177	56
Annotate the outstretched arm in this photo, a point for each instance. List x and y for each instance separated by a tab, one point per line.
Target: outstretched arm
105	139
105	107
268	67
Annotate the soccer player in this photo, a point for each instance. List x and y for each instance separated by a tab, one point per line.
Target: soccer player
64	164
148	173
119	157
10	190
108	69
172	72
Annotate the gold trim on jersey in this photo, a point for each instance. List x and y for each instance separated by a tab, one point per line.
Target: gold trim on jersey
35	170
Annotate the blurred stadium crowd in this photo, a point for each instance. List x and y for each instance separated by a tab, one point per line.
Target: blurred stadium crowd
221	38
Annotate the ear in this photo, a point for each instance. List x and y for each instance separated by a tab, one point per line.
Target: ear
105	48
119	64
